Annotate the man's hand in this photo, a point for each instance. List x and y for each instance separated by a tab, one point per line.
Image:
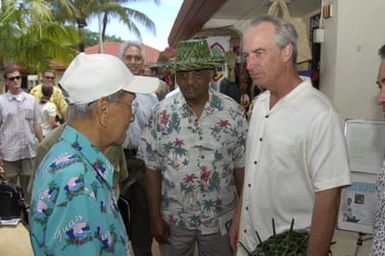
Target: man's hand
235	224
233	236
160	230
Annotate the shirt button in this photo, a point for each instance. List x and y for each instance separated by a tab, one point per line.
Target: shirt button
267	116
260	139
245	231
201	138
255	162
249	185
247	208
203	157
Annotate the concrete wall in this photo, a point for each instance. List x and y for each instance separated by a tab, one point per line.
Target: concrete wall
349	60
349	65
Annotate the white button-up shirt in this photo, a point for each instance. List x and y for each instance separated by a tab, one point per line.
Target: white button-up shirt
293	150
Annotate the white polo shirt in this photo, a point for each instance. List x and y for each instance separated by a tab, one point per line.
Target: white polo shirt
293	150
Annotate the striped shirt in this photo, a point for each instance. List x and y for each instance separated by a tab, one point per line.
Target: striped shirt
19	114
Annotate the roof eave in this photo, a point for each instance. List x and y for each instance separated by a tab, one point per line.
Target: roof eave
192	16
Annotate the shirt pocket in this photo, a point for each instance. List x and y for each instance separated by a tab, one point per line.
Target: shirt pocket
286	153
27	113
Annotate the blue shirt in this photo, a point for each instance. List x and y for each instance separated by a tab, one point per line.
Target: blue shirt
74	210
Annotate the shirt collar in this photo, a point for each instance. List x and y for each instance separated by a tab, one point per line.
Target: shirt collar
303	87
18	97
90	152
213	105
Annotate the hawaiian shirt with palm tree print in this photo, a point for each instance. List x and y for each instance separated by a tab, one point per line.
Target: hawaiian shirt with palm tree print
196	158
74	210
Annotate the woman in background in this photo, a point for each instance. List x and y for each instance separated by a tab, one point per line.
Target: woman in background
48	110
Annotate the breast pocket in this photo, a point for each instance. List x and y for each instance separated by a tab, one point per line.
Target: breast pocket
285	152
28	113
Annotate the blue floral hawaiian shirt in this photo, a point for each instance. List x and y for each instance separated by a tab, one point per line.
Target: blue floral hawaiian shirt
196	158
74	210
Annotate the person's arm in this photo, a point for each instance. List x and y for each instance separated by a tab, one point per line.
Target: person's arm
38	132
323	222
64	115
159	227
235	225
1	167
52	122
52	115
234	229
238	174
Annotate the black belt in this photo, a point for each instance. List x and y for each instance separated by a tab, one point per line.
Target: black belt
131	151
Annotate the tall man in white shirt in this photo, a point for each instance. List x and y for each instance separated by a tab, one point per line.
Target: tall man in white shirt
296	160
20	130
132	54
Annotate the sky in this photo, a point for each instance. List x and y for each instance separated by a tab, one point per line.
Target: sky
163	15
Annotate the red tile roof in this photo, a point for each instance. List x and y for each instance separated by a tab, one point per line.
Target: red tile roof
113	48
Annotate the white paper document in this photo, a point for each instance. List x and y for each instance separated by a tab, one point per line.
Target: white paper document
366	145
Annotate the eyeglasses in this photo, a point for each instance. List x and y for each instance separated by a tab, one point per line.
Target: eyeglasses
50	77
134	105
133	58
13	78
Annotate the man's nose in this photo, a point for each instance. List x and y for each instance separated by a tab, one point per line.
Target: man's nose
381	96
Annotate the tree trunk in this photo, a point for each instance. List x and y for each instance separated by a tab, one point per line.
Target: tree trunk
81	24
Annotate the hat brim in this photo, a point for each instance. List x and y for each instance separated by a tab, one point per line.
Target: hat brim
142	84
206	63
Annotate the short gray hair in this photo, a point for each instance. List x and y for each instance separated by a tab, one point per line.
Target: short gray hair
285	32
129	44
381	52
78	111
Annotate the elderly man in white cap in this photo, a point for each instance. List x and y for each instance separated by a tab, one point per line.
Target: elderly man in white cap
73	210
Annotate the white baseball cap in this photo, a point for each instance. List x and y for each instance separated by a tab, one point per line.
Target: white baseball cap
92	76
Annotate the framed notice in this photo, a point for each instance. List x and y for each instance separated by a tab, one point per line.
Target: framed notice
366	145
358	203
366	149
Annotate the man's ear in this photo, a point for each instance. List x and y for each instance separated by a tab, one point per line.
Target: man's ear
102	110
287	52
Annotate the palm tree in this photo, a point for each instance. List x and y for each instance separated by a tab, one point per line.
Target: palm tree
79	11
30	36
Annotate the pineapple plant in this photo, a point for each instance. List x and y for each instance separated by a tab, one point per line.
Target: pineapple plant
291	242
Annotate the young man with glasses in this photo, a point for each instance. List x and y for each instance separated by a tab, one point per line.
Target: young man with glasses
20	130
57	97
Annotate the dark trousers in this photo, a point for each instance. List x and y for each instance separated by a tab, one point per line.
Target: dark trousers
138	226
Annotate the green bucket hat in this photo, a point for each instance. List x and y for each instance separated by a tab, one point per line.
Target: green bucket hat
193	54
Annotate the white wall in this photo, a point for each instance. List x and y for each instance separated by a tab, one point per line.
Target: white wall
349	59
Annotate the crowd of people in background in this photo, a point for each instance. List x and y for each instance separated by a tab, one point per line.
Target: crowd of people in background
115	156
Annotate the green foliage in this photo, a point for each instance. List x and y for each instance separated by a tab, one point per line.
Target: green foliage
288	243
91	38
79	11
29	35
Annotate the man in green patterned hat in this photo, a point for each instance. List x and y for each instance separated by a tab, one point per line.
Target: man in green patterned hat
193	147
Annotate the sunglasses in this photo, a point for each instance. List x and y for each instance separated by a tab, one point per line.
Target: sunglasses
13	78
50	77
